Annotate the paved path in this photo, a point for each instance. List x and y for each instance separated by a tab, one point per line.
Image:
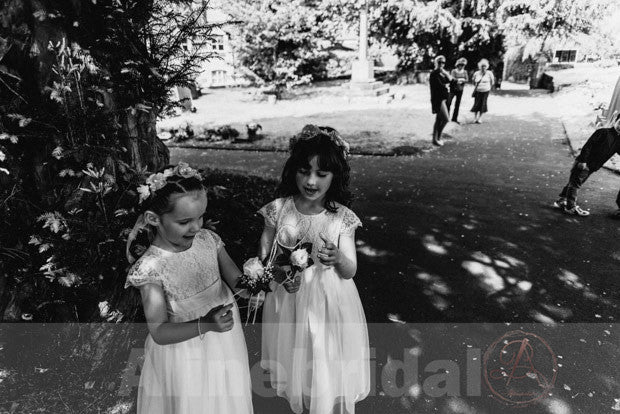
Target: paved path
466	234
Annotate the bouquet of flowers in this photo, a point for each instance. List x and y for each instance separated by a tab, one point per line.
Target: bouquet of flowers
258	275
255	279
295	259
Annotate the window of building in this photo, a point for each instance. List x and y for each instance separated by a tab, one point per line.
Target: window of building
217	43
566	55
218	77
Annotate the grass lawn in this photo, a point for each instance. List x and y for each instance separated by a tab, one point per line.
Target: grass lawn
371	125
380	125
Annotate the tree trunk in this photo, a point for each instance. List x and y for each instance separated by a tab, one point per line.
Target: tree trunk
538	68
144	149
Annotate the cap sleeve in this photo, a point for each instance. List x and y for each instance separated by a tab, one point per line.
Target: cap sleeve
143	272
350	222
270	212
214	236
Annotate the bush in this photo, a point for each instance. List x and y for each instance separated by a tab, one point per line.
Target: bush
82	86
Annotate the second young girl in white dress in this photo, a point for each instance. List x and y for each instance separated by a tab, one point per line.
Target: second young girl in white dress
315	338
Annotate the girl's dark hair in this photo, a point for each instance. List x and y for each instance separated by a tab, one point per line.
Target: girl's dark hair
330	157
159	203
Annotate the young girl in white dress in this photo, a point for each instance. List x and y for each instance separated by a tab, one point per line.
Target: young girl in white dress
196	359
315	338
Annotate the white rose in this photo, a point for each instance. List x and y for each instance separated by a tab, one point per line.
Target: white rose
144	191
253	268
104	309
299	258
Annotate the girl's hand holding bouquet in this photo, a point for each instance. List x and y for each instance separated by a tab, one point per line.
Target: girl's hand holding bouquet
292	262
254	280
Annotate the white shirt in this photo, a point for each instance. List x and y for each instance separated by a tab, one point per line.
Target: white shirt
486	81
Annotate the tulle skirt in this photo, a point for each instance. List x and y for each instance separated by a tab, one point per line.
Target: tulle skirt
197	376
315	343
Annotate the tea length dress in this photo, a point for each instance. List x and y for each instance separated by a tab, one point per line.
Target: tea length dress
194	376
315	341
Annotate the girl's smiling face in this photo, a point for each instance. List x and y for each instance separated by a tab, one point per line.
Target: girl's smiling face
176	229
313	182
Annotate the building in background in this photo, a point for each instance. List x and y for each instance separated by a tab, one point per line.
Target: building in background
224	71
221	71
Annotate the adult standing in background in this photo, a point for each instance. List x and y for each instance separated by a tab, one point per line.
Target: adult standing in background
438	81
459	78
483	82
498	72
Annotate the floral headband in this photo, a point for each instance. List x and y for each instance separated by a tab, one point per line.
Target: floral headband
311	131
159	180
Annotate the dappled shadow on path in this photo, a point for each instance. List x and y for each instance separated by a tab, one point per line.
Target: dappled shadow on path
498	279
464	236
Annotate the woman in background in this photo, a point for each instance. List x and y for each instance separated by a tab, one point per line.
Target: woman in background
438	81
483	81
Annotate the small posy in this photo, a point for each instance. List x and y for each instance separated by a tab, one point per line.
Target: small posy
253	268
256	277
297	258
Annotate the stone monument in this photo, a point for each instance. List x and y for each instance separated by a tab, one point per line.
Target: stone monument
363	82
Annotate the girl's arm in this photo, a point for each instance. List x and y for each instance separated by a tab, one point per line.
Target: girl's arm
266	242
343	257
219	319
347	265
228	269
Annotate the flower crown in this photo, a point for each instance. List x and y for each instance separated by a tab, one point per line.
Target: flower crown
311	131
159	180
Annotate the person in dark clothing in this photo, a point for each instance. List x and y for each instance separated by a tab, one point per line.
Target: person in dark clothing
600	147
459	79
439	80
498	71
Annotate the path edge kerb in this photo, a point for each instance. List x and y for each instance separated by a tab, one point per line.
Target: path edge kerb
416	150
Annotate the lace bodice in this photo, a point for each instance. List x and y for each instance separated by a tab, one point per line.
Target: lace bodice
291	225
181	275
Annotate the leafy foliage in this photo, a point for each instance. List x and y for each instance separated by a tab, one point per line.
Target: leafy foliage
420	30
82	84
539	25
284	42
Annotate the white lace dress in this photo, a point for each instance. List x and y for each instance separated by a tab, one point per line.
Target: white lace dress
315	341
194	376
